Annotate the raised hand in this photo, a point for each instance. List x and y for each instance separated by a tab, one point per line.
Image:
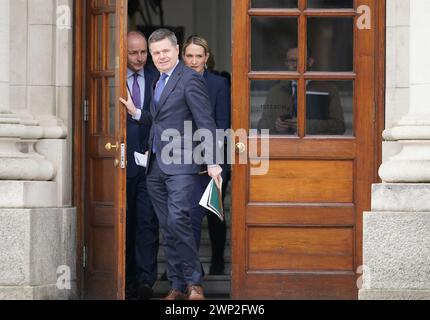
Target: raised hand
129	104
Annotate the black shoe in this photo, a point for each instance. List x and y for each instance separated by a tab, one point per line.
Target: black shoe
145	292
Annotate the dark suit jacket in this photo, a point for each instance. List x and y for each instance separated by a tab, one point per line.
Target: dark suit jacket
184	98
138	133
219	95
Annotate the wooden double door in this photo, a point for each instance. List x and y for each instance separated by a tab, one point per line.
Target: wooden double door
304	91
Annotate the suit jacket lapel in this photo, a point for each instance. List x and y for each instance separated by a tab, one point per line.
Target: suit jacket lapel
171	84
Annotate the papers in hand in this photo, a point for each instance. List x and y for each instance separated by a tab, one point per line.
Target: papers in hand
140	159
212	199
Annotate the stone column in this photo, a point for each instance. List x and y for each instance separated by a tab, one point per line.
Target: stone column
396	233
37	222
4	55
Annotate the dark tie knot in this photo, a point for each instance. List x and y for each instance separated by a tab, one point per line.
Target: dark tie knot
136	75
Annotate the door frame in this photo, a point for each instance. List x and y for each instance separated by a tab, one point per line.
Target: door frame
78	96
78	176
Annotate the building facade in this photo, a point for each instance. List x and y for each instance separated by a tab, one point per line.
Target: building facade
40	214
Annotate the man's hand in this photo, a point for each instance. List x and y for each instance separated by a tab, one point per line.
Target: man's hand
131	108
215	173
284	126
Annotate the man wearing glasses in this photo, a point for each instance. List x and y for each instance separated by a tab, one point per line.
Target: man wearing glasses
324	113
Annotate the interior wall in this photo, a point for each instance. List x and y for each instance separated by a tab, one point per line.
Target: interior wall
210	19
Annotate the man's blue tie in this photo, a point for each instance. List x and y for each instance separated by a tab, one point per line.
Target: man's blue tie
135	94
157	94
160	87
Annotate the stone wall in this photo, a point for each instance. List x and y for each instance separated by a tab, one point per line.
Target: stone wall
37	220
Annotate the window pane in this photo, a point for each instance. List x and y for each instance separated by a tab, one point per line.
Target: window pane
99	41
273	106
338	4
270	40
330	44
97	104
112	41
112	105
329	108
274	3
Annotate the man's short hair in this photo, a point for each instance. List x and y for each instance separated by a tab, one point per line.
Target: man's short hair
161	34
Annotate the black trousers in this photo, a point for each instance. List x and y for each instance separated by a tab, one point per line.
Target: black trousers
142	233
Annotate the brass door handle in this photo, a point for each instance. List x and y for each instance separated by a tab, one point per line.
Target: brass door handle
109	146
240	147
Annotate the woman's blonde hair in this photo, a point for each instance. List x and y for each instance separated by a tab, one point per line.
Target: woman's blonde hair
198	41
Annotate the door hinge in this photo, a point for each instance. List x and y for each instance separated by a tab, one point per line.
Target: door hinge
84	257
123	164
85	107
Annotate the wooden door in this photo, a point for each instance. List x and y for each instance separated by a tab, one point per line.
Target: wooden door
105	198
297	229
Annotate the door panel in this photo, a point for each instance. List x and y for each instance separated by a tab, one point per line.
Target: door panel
304	181
297	229
105	166
291	248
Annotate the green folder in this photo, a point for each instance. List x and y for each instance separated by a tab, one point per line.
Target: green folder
212	200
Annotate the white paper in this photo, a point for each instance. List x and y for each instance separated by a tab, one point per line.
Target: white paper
204	200
140	159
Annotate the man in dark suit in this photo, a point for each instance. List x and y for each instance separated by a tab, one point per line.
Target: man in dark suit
180	99
142	223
